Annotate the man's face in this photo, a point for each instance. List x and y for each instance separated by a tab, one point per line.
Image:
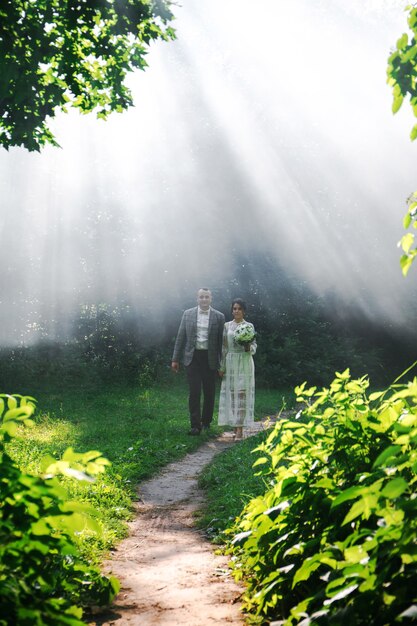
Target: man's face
203	299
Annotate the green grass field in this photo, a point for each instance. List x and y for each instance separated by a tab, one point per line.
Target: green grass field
139	431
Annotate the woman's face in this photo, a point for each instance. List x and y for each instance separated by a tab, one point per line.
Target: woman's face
237	312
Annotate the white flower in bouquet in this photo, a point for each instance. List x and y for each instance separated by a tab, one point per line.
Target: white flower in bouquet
244	333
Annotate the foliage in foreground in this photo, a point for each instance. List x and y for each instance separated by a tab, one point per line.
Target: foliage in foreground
43	580
56	54
139	430
333	538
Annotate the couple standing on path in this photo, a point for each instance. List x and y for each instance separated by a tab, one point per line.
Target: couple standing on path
207	345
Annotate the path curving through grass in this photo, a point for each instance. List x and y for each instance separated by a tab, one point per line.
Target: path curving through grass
168	569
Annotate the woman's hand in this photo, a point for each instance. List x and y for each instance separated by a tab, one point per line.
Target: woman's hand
220	373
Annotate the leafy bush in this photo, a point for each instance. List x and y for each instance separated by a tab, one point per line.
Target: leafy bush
333	538
50	365
294	354
42	578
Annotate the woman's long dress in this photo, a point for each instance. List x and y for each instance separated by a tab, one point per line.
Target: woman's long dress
237	393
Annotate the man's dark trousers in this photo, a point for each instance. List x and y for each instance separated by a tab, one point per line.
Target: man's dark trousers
200	376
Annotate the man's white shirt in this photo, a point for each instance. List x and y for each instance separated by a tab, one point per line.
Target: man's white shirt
203	318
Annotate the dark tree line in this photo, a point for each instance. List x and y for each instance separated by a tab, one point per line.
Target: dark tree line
301	336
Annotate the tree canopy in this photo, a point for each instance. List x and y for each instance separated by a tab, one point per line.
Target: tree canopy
402	68
402	77
57	54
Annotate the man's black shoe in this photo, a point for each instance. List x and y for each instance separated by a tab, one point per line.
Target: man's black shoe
194	431
206	427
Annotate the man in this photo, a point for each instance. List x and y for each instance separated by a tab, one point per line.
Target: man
199	344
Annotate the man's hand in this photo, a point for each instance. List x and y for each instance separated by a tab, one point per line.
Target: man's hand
220	373
175	366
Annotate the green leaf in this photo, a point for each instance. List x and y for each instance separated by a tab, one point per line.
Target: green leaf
115	584
408	419
357	510
407	220
405	263
392	517
69	455
386	454
11	402
355	554
91	455
402	42
46	461
369	584
395	488
17	414
11	428
307	568
341	594
261	461
376	395
413	134
349	494
345	375
40	527
388	598
324	483
396	104
407	242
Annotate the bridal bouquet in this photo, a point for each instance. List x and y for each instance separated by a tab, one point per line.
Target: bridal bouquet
244	333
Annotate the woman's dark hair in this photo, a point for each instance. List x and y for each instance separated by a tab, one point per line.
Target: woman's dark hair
240	302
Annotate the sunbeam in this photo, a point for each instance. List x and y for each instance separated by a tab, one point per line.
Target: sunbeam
266	128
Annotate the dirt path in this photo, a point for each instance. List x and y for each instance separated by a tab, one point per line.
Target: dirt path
169	573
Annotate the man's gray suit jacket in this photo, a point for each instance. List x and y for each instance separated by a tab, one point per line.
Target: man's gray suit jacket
187	335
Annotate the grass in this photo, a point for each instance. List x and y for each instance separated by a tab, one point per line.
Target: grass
139	431
229	482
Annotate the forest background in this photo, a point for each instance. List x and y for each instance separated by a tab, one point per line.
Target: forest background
301	336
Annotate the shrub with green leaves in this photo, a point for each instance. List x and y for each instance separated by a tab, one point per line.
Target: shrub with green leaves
333	540
43	580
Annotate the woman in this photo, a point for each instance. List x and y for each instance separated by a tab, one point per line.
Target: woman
237	393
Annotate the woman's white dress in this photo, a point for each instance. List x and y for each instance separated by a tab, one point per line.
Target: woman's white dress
237	393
